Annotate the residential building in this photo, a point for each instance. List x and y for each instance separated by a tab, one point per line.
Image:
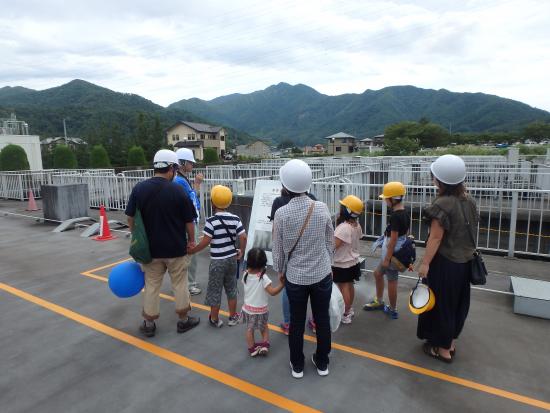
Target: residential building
13	131
256	149
317	149
73	143
197	137
341	143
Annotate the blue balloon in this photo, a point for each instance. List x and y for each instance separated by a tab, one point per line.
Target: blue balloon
126	279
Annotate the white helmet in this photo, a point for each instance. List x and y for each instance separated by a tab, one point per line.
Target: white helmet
185	154
164	158
296	176
449	169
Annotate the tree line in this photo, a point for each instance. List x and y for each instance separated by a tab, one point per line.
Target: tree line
407	138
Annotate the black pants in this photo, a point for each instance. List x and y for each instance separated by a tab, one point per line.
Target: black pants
320	299
450	283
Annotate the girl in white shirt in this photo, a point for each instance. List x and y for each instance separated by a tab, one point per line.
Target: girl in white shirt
257	286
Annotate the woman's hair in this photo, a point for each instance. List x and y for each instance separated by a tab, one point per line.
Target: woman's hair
256	260
344	216
458	190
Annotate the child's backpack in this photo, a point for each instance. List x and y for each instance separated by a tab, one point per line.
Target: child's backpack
405	257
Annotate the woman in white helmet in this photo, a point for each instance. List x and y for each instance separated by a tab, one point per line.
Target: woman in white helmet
453	218
303	244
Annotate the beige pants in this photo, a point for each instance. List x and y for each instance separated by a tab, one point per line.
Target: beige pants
154	273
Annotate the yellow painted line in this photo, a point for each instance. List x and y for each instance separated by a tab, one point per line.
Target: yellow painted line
105	266
175	358
396	363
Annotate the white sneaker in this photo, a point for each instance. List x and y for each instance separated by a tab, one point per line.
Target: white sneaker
346	318
351	312
320	372
194	290
296	374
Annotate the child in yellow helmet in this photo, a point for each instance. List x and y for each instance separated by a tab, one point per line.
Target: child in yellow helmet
220	232
346	268
394	237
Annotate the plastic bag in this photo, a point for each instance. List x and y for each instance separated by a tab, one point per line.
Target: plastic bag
336	308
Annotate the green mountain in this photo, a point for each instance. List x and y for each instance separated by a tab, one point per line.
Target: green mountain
90	110
302	114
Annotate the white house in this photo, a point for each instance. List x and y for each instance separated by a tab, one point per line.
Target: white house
196	136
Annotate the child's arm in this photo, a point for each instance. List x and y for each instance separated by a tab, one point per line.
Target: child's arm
274	290
204	242
242	245
391	246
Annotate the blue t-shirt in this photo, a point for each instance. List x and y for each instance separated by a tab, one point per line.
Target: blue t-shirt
191	193
165	209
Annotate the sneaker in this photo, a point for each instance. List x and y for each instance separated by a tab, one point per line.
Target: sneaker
234	320
264	348
254	351
191	322
297	374
391	312
311	325
286	328
194	290
319	371
374	305
351	312
215	323
148	331
346	318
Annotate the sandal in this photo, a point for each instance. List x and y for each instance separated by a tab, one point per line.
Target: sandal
434	353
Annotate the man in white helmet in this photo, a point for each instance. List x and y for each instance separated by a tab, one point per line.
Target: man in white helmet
303	245
168	215
186	163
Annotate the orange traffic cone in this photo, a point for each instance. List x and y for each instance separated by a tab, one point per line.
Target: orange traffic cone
32	203
104	230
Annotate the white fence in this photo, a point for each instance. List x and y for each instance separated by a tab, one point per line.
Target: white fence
513	198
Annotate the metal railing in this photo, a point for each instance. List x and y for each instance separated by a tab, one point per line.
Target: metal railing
513	198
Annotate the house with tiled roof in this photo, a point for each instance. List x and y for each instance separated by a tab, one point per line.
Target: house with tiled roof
341	143
197	137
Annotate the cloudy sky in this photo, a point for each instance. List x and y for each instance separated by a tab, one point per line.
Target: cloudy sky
171	50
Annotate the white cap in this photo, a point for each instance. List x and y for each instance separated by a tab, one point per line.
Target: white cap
164	158
449	169
185	154
296	176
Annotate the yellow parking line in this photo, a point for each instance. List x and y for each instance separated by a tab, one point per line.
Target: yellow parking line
105	266
175	358
396	363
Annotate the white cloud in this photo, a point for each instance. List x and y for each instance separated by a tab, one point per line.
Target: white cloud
170	50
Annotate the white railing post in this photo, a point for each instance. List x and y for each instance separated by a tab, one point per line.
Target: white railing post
513	221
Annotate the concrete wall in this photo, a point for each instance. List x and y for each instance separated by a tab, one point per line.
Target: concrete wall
31	145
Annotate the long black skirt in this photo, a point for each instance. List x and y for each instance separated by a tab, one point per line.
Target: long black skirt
450	282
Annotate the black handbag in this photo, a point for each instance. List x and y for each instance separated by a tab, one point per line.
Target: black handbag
478	271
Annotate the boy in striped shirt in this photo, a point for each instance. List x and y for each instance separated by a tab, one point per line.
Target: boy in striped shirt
220	232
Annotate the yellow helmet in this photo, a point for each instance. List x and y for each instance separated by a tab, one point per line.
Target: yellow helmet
221	196
392	189
353	204
421	299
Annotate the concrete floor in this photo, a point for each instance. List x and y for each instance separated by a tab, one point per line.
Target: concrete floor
51	363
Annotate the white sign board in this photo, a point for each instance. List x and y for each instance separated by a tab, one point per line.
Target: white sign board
260	227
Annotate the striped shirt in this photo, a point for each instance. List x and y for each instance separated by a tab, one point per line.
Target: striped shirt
311	260
222	246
